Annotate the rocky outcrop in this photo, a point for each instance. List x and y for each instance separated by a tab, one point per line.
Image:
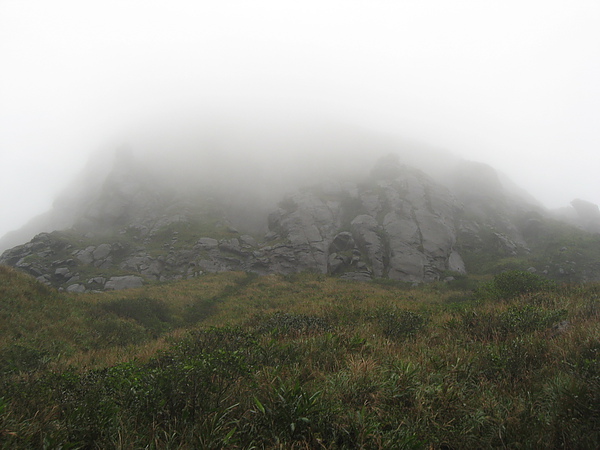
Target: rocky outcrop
588	215
396	223
126	282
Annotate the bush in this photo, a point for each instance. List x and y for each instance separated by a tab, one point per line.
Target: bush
400	325
294	324
528	318
287	413
516	320
513	284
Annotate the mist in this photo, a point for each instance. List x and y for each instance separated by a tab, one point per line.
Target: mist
259	91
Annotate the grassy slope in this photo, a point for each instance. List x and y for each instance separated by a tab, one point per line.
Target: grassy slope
305	361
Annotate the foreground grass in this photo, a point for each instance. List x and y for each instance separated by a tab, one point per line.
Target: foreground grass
239	361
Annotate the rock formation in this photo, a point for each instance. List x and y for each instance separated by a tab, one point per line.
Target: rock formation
394	222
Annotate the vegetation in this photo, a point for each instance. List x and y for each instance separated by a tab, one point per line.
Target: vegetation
559	250
306	361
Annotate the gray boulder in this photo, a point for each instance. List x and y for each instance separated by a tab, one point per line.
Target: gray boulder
80	288
207	243
85	256
126	282
102	251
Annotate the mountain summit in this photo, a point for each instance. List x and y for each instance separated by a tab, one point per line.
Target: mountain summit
127	223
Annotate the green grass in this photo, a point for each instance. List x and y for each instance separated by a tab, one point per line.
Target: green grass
305	361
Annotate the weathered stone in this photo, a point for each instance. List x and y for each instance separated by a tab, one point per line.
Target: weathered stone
102	251
104	264
97	280
366	233
398	224
63	272
208	243
456	263
335	263
45	279
86	256
342	242
154	269
247	240
135	263
76	288
231	245
270	236
406	263
125	282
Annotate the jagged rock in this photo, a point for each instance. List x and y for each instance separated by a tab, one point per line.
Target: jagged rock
63	272
76	288
270	236
45	279
506	245
231	245
335	263
102	251
207	243
125	282
456	263
136	263
248	241
97	280
104	263
86	256
398	223
342	242
154	269
366	233
309	224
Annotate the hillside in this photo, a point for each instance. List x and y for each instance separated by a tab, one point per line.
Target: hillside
300	361
130	224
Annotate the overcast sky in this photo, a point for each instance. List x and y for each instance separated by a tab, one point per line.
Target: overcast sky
515	84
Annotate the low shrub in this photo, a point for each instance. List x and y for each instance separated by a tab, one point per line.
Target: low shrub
516	320
293	324
514	283
399	325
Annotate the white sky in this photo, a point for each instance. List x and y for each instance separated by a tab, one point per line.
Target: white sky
515	84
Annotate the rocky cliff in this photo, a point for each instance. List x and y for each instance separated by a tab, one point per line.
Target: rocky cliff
393	222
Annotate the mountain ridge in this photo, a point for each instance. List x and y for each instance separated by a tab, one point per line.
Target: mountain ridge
132	226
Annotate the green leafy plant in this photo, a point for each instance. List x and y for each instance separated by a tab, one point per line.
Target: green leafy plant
514	283
400	325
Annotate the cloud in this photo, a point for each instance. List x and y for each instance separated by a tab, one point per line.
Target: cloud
513	84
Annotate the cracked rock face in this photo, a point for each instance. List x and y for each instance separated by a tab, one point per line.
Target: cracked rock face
402	227
397	224
367	233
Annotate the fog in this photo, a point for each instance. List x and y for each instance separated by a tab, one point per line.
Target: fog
237	87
